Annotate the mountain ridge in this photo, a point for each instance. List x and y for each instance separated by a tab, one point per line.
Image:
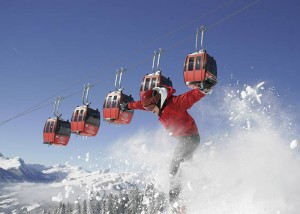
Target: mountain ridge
24	185
16	170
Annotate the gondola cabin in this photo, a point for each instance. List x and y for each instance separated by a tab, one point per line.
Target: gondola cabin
154	80
111	110
85	121
57	132
200	68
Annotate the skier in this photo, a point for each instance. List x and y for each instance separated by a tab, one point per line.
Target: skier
172	113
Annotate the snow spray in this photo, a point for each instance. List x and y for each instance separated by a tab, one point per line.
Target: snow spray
248	161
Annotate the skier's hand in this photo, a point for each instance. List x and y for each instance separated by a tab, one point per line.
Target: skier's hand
205	90
206	87
124	107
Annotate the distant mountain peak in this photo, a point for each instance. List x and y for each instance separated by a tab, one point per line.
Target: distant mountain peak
1	156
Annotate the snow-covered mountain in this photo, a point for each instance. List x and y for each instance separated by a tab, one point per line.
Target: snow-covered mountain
23	185
16	170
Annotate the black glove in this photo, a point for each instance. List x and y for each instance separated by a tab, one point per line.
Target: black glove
205	90
207	86
124	107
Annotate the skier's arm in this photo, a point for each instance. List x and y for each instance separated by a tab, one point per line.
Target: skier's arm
136	105
187	100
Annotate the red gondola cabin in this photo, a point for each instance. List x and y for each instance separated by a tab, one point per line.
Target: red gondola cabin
57	132
111	110
154	80
85	121
200	68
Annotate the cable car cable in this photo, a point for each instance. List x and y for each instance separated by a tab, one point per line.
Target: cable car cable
169	33
234	13
39	106
215	24
174	31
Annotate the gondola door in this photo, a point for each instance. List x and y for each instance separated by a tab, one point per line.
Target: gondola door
111	106
107	111
78	119
194	69
49	133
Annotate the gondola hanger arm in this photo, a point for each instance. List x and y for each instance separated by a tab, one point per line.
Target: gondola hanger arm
201	29
118	79
158	55
85	94
56	106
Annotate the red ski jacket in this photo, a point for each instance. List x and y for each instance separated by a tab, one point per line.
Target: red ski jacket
173	115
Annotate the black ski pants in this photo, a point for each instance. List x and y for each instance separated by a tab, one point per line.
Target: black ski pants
184	151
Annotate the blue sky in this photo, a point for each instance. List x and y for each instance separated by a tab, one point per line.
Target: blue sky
51	48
